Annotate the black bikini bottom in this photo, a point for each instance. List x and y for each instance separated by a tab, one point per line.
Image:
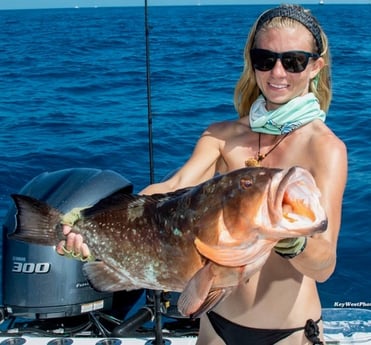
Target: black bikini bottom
234	334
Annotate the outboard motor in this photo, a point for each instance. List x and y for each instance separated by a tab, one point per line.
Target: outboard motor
37	282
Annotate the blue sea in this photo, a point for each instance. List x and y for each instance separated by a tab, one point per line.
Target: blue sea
73	93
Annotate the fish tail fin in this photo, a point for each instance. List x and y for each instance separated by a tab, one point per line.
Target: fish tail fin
36	221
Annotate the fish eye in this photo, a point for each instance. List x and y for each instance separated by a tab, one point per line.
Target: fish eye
246	182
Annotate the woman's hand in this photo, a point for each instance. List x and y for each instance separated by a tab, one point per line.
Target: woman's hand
73	246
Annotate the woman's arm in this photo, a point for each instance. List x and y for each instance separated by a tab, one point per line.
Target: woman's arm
200	167
329	168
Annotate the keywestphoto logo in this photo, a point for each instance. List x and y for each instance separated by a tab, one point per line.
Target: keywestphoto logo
352	304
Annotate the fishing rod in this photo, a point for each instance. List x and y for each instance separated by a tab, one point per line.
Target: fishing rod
157	294
146	314
149	97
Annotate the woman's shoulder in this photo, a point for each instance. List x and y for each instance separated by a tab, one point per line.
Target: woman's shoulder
229	127
323	135
323	142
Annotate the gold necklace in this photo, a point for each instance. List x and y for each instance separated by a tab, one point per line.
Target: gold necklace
255	161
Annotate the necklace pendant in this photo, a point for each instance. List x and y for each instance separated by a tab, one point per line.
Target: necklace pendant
255	162
252	162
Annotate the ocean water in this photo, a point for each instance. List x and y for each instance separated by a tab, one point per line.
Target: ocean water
73	94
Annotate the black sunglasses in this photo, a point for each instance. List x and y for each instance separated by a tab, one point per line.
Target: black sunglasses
293	61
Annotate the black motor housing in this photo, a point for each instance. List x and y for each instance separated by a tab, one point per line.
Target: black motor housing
37	282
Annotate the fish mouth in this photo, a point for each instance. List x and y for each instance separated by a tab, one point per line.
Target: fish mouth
294	202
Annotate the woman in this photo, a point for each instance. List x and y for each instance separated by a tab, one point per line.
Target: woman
281	98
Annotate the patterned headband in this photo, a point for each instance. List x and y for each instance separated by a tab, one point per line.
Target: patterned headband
297	13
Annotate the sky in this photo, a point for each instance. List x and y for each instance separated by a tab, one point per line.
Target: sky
24	4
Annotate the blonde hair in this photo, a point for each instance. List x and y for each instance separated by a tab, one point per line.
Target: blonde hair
247	90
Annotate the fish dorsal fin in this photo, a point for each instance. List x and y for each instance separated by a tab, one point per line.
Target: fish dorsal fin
122	200
117	201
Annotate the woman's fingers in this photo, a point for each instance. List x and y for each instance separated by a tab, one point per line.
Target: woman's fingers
73	246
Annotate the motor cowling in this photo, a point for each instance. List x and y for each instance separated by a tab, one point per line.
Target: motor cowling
39	283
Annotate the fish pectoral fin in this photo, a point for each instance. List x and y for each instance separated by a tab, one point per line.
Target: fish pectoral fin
196	291
214	297
105	278
231	255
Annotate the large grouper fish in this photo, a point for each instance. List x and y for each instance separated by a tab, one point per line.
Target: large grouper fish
201	241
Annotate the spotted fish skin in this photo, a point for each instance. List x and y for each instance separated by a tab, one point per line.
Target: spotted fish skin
201	241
